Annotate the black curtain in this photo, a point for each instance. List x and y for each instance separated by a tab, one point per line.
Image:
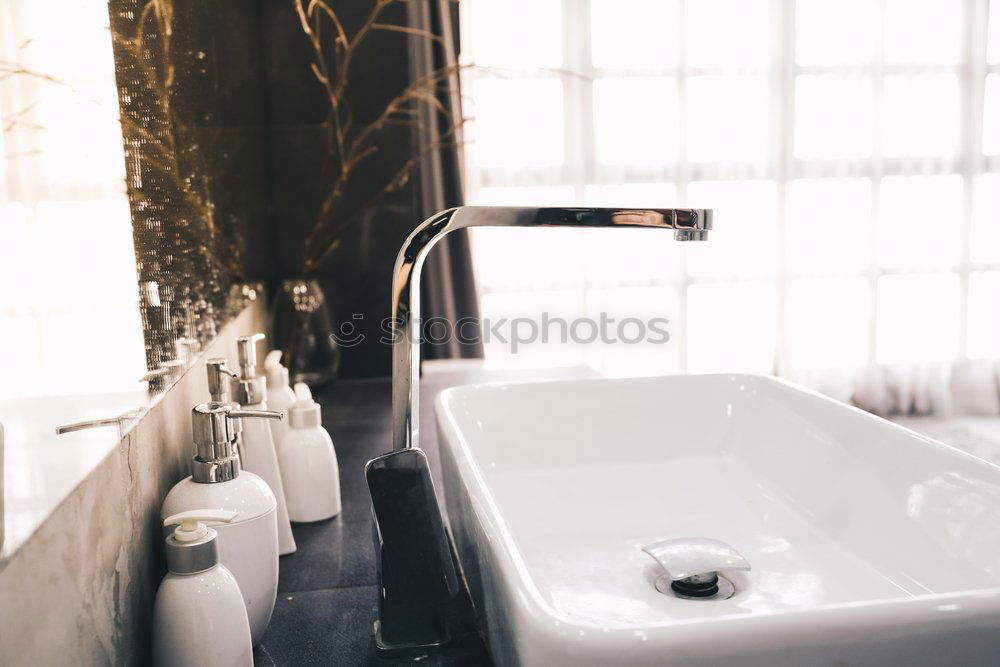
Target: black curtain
448	289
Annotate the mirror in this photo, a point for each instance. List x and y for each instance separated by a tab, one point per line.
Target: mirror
69	321
121	177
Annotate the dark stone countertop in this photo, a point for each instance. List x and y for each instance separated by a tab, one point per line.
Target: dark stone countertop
327	589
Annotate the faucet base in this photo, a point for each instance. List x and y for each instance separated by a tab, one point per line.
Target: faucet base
387	650
416	570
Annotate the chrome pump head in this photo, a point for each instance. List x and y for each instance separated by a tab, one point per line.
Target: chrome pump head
216	425
218	380
249	388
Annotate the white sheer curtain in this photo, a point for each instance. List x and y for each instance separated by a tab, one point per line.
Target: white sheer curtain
850	150
69	318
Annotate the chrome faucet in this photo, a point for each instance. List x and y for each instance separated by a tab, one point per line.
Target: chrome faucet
688	225
416	571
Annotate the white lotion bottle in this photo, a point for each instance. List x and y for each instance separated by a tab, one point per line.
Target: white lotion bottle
309	462
279	394
257	451
199	617
248	545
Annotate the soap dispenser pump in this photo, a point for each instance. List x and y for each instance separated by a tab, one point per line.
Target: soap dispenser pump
280	396
309	462
257	451
248	545
199	616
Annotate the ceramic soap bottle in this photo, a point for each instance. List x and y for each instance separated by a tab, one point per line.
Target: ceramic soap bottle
248	545
199	617
257	453
308	462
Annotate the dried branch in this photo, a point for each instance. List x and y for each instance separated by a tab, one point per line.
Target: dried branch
9	69
17	120
399	179
361	147
409	31
349	147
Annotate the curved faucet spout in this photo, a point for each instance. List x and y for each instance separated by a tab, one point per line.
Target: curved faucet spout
688	225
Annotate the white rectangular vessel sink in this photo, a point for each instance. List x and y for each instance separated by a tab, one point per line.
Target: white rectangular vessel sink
869	544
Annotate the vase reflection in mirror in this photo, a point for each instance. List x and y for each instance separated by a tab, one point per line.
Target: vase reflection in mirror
300	320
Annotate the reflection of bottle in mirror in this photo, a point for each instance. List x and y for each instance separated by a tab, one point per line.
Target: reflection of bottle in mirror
308	462
199	617
157	331
248	545
256	447
279	395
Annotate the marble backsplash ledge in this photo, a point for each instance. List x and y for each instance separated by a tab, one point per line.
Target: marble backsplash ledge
80	590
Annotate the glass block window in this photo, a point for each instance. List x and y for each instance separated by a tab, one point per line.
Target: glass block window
851	151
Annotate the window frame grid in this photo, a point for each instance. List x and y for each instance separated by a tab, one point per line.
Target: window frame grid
580	167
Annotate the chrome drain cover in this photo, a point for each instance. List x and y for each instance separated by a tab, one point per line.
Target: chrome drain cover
726	589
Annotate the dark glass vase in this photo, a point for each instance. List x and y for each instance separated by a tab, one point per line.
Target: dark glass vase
302	328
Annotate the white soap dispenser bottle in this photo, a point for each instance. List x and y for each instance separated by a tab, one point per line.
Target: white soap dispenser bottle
257	452
279	394
248	546
309	462
199	617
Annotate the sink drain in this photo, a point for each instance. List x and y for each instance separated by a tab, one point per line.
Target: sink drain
689	567
708	586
